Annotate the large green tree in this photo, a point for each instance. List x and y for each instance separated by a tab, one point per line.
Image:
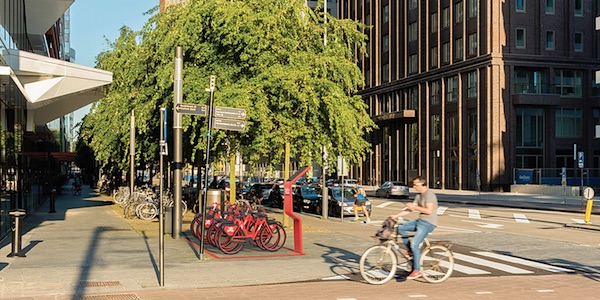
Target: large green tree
269	59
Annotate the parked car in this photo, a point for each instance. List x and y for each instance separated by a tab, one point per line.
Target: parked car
337	204
260	192
392	189
306	197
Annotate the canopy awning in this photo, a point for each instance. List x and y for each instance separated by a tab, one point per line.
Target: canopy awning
52	87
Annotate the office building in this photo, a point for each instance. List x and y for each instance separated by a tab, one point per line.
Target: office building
468	92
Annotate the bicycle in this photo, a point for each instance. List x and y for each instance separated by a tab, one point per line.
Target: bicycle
380	263
76	189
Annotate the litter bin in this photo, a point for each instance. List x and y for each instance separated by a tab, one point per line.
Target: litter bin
16	216
169	220
214	197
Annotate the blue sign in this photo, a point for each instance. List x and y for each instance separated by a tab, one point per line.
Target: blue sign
525	176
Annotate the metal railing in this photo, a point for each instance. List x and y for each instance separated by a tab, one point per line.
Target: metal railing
554	176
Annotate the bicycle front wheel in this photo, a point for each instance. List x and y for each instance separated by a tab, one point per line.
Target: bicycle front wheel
437	264
378	264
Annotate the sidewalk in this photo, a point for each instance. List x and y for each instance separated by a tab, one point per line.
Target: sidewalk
86	248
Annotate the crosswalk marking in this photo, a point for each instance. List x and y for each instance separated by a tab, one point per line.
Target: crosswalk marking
441	210
474	214
382	205
491	264
521	218
521	261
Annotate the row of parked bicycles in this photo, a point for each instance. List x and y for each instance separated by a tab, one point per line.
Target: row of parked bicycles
236	225
145	202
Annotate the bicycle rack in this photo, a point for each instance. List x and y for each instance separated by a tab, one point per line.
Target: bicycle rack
288	209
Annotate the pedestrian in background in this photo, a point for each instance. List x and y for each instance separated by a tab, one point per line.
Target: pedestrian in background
361	201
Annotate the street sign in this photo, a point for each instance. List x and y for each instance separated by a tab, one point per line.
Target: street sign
229	113
227	124
580	159
588	193
191	109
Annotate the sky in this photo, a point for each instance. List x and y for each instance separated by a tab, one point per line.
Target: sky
95	21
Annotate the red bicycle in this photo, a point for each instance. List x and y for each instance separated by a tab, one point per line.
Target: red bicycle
267	234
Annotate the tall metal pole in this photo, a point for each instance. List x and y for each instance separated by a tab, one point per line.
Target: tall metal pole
211	89
325	199
131	154
177	145
161	219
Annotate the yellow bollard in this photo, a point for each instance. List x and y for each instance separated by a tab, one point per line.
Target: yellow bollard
588	210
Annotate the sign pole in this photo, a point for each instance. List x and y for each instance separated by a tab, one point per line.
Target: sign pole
211	89
177	146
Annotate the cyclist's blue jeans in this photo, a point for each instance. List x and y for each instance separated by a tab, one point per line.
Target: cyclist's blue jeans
421	229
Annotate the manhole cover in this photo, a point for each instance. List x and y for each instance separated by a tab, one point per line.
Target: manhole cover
112	297
99	283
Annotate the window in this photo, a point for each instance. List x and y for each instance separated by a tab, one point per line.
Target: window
434	93
412	4
413	98
549	40
578	47
530	137
520	38
386	14
434	57
413	63
568	83
472	8
520	5
550	7
385	73
569	122
472	44
412	31
385	43
530	81
446	17
445	53
452	89
436	128
458	12
458	49
579	8
472	84
433	22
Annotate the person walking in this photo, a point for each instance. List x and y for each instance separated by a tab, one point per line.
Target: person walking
425	204
361	201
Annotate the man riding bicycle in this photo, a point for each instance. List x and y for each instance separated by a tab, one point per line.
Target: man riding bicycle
425	204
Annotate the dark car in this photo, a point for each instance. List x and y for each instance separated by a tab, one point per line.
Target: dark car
267	194
306	197
392	188
336	205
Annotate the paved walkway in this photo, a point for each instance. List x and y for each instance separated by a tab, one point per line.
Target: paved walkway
86	250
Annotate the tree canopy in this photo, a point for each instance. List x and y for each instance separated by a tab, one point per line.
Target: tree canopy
268	57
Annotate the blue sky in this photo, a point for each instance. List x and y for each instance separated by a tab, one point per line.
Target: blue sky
95	21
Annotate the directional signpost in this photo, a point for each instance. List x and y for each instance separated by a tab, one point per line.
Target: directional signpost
191	109
227	124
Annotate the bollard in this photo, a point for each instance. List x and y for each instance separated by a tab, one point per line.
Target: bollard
16	215
52	201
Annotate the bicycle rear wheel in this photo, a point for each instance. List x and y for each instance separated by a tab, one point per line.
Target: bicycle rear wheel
437	264
147	211
378	264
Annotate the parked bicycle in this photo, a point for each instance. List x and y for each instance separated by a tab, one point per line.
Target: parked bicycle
382	262
76	188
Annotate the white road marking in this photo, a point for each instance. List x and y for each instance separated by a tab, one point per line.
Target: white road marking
336	277
491	264
578	221
417	296
485	225
441	210
382	205
484	293
521	261
474	214
454	229
546	291
521	218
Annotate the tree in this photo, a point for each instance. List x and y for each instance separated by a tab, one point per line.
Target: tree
269	59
